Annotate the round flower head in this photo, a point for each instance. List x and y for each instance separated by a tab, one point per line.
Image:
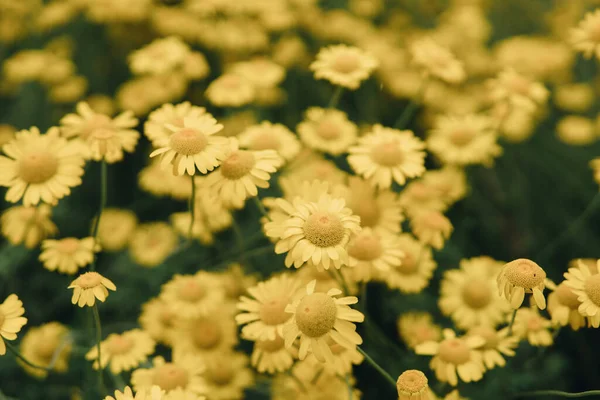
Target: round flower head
387	154
585	37
161	182
261	72
530	325
318	317
342	65
586	285
241	172
418	197
46	345
467	295
230	90
67	255
464	140
271	356
193	295
519	277
576	130
115	228
27	225
40	167
317	231
105	137
155	393
418	327
193	145
517	90
158	318
455	356
497	344
437	61
449	182
155	127
415	270
268	136
563	307
184	372
164	55
152	243
327	130
431	228
90	286
123	351
263	314
372	253
11	320
413	385
227	375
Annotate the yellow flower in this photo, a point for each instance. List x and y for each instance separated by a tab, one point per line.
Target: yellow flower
193	295
155	127
40	167
162	56
11	320
343	65
431	228
437	61
207	335
106	137
418	327
455	355
123	351
327	130
387	154
344	359
318	317
519	277
227	375
116	11
268	136
7	134
161	182
90	286
271	356
241	172
371	253
260	71
158	319
574	97
413	385
184	372
155	393
530	325
449	182
27	225
67	255
45	345
152	243
115	229
263	313
193	145
497	344
576	130
230	90
518	91
586	285
418	197
235	281
586	36
563	307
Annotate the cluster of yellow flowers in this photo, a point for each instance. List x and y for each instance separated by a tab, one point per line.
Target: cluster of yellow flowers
351	201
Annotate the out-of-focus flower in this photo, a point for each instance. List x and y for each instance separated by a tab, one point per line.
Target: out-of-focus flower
344	66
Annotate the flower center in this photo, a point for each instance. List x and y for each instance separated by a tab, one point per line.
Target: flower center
270	346
476	293
412	382
220	373
324	229
265	141
191	291
188	141
328	130
534	323
566	297
238	164
102	134
424	333
488	334
462	137
206	334
524	273
454	351
273	313
365	248
89	280
367	210
346	63
435	220
316	315
38	167
519	84
387	154
408	265
118	344
592	289
68	245
46	348
98	121
170	376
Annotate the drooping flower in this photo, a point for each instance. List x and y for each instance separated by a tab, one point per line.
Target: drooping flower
413	385
519	277
88	287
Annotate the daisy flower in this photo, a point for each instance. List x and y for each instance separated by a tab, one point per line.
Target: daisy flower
241	172
158	318
193	145
415	270
345	66
193	295
162	56
576	130
116	228
469	297
68	255
455	356
317	231
518	91
260	71
184	372
235	281
418	327
27	225
123	351
318	317
586	37
413	385
227	375
151	243
327	130
310	166
387	154
373	253
161	182
40	167
586	285
450	182
464	140
206	335
271	356
497	345
155	393
530	325
268	136
230	90
45	345
90	286
519	277
418	197
563	307
431	228
437	61
155	127
105	137
11	320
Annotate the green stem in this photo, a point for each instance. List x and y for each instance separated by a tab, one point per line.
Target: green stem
335	98
17	354
103	189
558	393
260	206
408	112
512	321
382	371
98	340
192	207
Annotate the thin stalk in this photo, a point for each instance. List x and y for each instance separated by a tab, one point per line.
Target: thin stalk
558	393
98	340
350	397
192	207
260	206
103	189
382	371
512	321
408	112
335	98
17	354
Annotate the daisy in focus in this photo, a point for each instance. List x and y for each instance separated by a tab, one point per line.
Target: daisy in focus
40	168
67	255
413	385
90	286
343	65
11	320
123	351
327	130
586	285
519	277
